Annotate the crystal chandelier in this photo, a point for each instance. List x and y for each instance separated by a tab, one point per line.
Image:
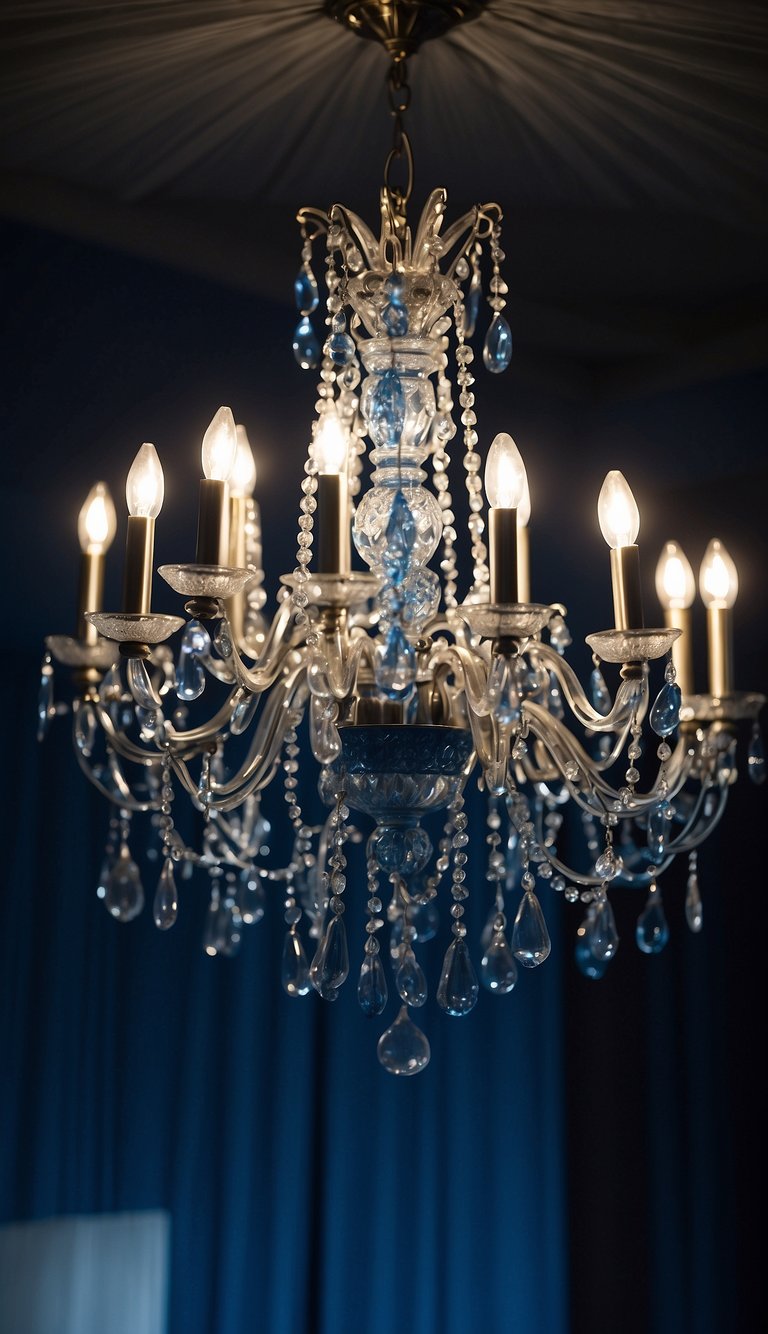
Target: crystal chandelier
400	691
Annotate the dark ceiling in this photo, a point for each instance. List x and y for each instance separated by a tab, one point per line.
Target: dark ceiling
626	142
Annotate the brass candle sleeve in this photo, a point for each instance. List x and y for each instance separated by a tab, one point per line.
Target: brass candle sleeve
720	650
627	597
523	566
238	513
502	539
213	523
139	552
333	551
91	593
682	649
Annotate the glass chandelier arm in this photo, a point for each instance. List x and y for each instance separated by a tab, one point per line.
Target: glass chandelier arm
119	742
357	230
631	696
281	637
123	797
218	668
696	831
334	665
476	225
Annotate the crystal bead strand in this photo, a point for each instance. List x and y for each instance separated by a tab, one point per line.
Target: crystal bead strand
497	351
372	990
531	944
124	893
409	978
472	460
295	970
165	908
330	965
443	431
458	988
694	912
45	705
498	970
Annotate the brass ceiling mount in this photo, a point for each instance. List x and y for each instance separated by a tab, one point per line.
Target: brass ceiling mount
402	25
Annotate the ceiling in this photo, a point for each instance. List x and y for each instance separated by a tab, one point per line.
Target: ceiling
626	140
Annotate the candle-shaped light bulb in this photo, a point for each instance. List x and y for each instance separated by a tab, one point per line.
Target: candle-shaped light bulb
676	589
617	512
219	452
330	445
619	520
506	486
718	585
330	451
675	584
144	489
220	446
242	478
718	579
505	479
96	524
97	521
524	508
145	485
523	546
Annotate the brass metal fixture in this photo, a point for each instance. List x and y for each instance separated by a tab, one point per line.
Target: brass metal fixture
402	25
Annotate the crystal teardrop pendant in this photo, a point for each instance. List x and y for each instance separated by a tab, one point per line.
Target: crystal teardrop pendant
251	899
586	962
403	1049
395	665
601	699
124	897
306	348
472	303
497	351
498	970
410	980
341	349
458	987
531	944
330	965
400	538
294	973
85	728
243	713
601	935
665	713
165	908
386	411
652	931
372	990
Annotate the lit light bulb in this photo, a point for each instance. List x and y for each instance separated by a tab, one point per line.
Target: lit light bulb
97	521
242	478
718	580
506	483
617	511
675	584
524	508
220	446
330	445
145	485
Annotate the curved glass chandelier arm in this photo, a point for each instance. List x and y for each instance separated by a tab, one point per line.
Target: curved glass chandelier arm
218	668
358	230
264	753
696	831
631	696
334	665
281	638
118	741
477	225
122	797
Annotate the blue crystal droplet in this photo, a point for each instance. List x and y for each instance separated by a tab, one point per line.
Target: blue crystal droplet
601	699
497	352
394	288
652	931
372	987
331	962
395	319
403	1049
586	962
458	987
601	935
386	412
395	667
294	973
341	349
410	980
530	938
498	970
665	714
401	538
306	348
305	291
756	756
